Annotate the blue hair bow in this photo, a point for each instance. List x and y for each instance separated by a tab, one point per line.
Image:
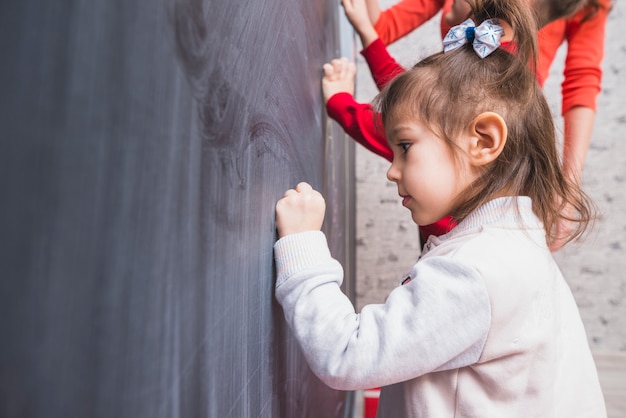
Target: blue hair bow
485	38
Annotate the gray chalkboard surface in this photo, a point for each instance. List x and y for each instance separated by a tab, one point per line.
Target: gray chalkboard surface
143	147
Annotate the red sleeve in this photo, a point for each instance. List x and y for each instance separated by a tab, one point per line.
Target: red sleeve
585	51
550	38
405	16
382	65
583	65
360	122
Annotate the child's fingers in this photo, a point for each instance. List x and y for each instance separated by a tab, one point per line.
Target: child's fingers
343	65
336	69
300	188
303	186
337	62
338	77
328	69
348	69
301	209
351	68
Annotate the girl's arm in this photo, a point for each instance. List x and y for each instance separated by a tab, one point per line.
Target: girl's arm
358	15
382	65
582	78
357	120
578	127
373	10
580	88
439	322
406	16
360	122
583	64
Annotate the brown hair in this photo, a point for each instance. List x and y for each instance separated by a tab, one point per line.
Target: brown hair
446	91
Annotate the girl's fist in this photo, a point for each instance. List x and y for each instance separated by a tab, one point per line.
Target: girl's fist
300	209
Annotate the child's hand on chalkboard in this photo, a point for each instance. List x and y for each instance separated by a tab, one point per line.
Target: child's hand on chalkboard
338	78
300	210
357	13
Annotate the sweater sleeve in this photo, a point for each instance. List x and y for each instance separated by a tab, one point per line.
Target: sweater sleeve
583	65
405	16
438	321
360	122
383	66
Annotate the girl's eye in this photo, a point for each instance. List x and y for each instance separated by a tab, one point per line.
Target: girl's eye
404	146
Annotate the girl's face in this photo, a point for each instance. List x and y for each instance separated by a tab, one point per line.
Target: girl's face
424	167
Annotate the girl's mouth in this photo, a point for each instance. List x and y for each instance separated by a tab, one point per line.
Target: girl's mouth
406	200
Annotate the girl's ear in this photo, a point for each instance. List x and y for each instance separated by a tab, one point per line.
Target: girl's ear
488	134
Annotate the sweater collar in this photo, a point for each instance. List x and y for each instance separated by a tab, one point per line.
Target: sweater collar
513	212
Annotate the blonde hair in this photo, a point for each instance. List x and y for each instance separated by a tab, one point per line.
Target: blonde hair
446	91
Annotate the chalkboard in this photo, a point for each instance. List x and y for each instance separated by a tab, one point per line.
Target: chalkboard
144	145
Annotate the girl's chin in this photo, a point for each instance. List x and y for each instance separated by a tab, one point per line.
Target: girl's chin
420	221
423	220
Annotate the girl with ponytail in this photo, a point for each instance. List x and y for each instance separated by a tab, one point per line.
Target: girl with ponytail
484	324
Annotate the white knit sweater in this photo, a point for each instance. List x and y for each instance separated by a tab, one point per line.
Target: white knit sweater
487	326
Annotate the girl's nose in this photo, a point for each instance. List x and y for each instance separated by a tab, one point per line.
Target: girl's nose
393	174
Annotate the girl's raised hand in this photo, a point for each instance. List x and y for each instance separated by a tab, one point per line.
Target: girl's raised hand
338	78
357	14
300	210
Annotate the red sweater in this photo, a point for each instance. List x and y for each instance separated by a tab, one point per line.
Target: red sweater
585	44
585	51
407	15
